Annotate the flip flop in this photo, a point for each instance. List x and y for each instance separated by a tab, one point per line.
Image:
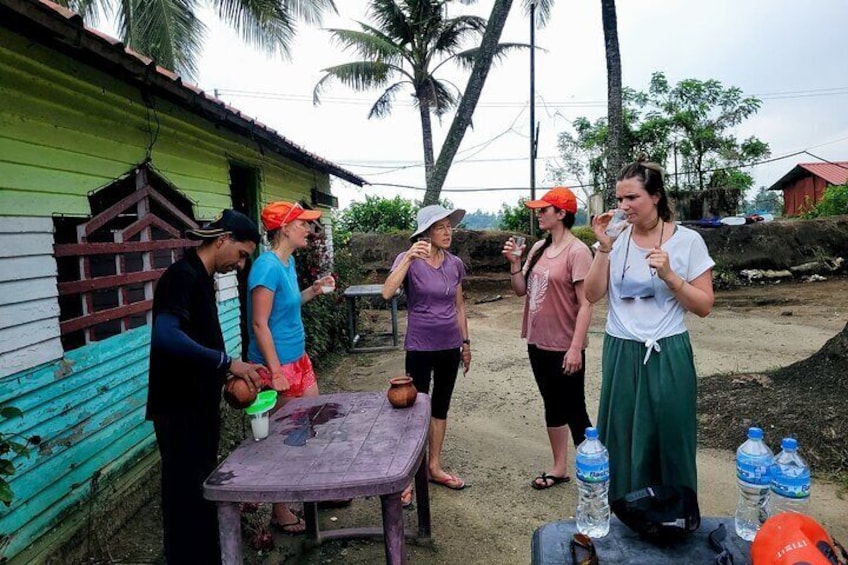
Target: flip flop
286	528
450	481
544	478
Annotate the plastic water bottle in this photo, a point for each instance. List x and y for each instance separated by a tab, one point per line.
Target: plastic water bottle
790	481
753	461
593	510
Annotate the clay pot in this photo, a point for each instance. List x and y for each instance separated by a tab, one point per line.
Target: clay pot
238	394
402	393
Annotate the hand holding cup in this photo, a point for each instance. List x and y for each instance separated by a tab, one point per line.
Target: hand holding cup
328	284
518	242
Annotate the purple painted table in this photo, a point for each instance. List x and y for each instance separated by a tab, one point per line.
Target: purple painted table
330	447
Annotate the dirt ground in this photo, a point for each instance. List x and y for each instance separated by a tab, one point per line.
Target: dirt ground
496	438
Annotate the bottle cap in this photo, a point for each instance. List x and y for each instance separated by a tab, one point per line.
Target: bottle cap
755	433
789	444
591	433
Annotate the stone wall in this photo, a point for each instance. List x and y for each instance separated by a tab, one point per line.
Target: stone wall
774	245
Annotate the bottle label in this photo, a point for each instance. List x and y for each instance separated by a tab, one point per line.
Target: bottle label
593	472
791	487
753	470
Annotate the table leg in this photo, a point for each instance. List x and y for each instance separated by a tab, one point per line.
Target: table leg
422	499
393	529
351	320
394	321
229	531
310	514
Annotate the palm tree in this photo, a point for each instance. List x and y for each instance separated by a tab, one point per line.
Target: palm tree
170	32
405	48
615	119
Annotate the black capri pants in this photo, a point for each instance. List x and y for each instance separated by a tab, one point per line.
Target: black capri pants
443	365
563	395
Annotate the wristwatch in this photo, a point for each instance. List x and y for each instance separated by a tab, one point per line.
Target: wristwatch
228	362
468	341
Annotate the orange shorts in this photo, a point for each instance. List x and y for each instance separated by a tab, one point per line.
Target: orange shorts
300	376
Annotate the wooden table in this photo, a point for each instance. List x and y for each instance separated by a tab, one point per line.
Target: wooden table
330	447
550	545
351	293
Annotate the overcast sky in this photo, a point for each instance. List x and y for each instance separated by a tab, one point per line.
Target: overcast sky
789	53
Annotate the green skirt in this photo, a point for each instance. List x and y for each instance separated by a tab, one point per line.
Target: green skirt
647	417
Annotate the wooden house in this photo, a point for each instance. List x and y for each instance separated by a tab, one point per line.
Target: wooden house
105	160
804	186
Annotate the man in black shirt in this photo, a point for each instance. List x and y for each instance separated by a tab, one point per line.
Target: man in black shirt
188	368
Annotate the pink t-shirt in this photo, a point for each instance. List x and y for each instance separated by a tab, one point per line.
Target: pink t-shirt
550	308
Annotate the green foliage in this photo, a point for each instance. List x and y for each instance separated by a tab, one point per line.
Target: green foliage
516	218
769	201
689	126
584	234
378	214
480	220
10	447
834	202
325	317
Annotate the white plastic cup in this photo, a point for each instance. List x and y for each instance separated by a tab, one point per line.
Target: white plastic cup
617	224
517	244
260	423
429	243
328	288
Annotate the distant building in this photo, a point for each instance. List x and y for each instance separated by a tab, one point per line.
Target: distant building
804	186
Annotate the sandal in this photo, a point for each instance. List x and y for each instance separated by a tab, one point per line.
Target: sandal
546	481
291	528
450	481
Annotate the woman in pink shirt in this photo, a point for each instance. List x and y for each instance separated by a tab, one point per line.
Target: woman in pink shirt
556	321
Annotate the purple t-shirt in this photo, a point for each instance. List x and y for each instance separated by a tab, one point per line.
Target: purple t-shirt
431	304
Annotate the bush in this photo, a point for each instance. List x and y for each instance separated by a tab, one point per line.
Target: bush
584	234
834	202
516	218
378	214
325	317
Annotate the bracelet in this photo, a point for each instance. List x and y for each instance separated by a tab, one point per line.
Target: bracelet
682	284
515	272
604	249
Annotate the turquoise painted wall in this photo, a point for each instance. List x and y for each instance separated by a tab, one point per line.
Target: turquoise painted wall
89	411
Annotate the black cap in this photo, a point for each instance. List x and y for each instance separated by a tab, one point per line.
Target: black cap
230	222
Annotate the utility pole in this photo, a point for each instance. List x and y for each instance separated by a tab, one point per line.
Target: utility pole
532	113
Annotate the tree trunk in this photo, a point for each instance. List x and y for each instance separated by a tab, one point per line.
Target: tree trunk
462	118
427	138
615	157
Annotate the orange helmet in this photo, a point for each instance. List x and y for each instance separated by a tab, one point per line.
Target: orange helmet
790	538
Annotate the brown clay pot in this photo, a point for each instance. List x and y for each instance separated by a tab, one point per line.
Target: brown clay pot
238	394
402	392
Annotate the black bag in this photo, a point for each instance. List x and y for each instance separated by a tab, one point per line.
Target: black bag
660	514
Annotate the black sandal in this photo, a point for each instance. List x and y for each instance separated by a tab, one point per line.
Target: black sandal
544	484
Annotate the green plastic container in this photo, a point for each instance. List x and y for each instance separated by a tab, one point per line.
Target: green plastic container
265	400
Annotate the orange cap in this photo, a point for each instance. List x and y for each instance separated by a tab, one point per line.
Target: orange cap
789	539
559	196
278	214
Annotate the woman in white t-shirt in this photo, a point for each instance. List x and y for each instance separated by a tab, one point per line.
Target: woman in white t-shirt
653	273
555	323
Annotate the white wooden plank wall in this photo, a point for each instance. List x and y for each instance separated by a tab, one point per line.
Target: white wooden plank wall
29	306
226	287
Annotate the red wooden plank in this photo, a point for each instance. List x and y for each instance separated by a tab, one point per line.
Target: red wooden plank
148	220
171	208
112	211
76	324
77	249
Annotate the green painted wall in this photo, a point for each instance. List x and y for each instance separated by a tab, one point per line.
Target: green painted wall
67	129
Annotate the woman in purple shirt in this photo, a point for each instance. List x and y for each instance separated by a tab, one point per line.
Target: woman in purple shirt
437	330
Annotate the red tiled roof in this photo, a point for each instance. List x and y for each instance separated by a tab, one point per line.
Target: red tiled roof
56	22
835	172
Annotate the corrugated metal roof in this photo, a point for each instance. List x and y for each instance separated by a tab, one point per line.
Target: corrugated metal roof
835	172
52	22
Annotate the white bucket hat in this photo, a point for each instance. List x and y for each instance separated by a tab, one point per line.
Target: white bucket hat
429	215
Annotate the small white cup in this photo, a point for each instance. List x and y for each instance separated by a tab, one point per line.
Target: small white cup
617	224
328	288
517	243
260	423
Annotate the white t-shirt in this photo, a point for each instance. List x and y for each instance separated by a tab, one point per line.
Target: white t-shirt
641	306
